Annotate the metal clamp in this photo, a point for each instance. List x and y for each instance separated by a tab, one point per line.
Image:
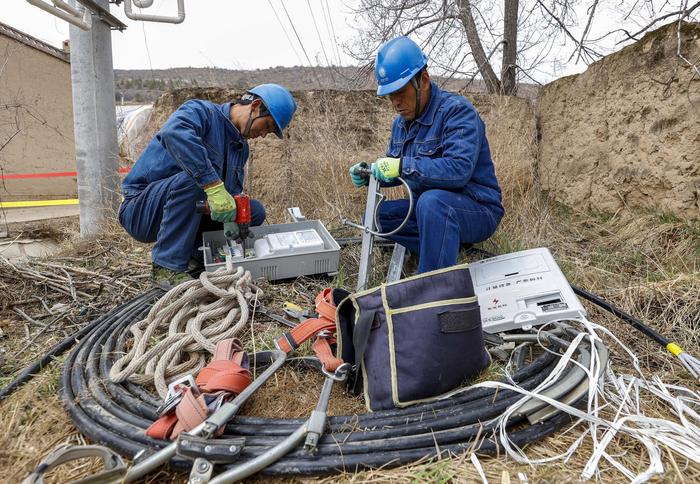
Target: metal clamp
325	334
217	451
114	467
201	471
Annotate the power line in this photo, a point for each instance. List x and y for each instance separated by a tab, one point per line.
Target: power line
301	44
318	33
291	44
334	41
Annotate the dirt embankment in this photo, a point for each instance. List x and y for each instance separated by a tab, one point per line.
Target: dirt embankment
626	133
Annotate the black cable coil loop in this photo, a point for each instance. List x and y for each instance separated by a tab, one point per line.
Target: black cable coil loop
116	415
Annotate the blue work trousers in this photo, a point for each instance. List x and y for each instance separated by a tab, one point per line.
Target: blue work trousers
164	213
440	222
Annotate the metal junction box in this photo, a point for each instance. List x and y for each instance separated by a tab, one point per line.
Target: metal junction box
280	251
521	290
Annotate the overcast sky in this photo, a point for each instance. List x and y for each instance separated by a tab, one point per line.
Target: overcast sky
250	34
231	34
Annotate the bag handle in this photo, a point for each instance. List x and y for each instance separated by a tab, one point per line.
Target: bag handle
360	337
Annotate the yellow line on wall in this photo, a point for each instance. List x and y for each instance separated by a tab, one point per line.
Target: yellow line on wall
39	203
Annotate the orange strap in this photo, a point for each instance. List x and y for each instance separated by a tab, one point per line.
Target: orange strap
163	427
291	340
224	377
322	348
311	328
225	372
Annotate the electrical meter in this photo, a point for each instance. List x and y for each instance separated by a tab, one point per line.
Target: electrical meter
521	290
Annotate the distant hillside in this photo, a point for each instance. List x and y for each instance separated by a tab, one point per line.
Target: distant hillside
147	85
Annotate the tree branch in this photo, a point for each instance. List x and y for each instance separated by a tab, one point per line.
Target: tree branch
493	84
684	12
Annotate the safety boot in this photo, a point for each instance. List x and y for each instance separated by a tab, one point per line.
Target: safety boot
166	278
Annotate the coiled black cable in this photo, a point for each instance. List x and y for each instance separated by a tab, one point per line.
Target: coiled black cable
58	349
116	415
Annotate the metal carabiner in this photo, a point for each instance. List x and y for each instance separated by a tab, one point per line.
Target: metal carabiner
340	374
176	390
325	334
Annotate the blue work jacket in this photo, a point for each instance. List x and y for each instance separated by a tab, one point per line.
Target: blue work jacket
199	139
446	148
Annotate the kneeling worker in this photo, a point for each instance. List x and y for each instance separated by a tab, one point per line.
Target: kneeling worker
438	145
199	153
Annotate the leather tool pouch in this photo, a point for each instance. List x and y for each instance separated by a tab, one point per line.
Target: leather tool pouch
412	340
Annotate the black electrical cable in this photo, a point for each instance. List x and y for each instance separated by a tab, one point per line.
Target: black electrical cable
116	415
637	324
61	347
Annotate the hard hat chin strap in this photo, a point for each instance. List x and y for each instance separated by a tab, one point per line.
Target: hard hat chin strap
249	123
416	83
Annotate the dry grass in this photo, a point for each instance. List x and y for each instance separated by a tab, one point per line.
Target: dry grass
645	263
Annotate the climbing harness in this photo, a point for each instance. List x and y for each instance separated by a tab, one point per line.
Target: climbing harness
190	401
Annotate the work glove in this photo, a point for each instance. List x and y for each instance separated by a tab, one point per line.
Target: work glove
357	179
221	203
386	169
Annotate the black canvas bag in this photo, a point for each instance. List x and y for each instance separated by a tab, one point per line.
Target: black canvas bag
412	340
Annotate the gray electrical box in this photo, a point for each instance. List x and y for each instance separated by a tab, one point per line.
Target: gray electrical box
287	250
521	290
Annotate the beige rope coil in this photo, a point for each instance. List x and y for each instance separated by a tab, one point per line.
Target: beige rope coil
183	326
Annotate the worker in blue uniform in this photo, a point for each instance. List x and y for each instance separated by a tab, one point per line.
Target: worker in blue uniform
439	146
199	153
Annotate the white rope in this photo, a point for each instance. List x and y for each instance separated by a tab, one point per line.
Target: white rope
623	394
184	326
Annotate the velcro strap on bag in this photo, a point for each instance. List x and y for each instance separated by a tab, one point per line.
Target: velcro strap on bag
224	377
360	337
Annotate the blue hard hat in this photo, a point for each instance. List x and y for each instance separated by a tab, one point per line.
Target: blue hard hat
398	60
279	102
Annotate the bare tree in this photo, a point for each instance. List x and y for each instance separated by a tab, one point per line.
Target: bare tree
467	38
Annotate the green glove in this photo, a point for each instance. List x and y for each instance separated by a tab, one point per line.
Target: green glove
386	169
231	230
357	179
221	203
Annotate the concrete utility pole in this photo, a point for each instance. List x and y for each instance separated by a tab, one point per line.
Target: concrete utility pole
94	119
